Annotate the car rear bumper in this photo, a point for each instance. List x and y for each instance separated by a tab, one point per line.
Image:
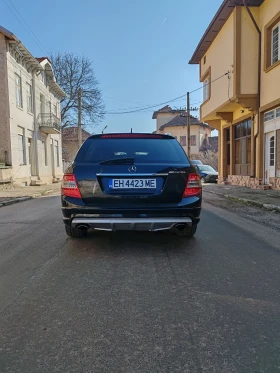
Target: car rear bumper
141	217
131	224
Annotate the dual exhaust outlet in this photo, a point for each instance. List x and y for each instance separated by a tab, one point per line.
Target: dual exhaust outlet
178	226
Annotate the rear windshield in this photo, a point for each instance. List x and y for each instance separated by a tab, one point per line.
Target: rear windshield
97	150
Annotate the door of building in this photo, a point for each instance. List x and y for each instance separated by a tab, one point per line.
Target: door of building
270	156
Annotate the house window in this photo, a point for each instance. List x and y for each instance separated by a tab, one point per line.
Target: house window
29	98
193	140
249	150
269	116
21	146
243	142
44	153
272	114
272	42
55	110
275	47
206	90
43	77
237	152
183	140
56	152
271	151
18	90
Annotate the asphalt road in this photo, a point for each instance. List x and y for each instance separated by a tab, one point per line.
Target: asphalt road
137	302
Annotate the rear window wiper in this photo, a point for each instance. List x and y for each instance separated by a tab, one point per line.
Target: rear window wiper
118	161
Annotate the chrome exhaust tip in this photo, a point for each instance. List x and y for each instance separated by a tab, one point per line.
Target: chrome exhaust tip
82	227
180	226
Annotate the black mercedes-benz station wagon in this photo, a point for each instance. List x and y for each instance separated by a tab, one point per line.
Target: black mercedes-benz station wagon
129	181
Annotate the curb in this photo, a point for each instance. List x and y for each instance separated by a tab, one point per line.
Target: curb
244	200
22	199
266	206
15	200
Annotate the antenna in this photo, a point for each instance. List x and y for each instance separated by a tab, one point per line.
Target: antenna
131	130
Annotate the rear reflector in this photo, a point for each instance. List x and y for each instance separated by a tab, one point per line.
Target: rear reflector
131	136
70	186
193	187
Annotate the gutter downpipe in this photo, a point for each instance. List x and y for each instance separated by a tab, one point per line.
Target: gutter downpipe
245	2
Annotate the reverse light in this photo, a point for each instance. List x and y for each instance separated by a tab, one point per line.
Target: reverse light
193	187
70	187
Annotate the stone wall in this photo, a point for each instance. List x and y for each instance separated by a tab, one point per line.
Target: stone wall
245	181
275	183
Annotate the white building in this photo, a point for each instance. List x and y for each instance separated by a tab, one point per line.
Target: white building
30	128
174	121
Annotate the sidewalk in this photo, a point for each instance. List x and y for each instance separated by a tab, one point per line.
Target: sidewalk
268	199
13	195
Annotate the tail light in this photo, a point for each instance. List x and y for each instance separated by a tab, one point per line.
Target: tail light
193	187
70	186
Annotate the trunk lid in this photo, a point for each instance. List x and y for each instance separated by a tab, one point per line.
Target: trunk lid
131	171
166	184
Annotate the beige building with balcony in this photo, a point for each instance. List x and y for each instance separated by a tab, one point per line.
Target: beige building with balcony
174	121
30	141
239	60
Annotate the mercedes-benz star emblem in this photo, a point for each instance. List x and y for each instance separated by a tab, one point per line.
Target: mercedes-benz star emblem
132	169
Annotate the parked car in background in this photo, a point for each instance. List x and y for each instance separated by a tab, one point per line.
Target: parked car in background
126	182
207	173
195	162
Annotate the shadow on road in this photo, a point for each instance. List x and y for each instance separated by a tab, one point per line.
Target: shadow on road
130	243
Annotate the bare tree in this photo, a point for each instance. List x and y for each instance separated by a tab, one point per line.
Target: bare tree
73	72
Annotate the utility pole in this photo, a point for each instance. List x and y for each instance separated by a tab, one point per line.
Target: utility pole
80	117
189	124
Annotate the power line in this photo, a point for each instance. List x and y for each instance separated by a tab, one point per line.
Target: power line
162	103
144	107
210	82
148	107
25	25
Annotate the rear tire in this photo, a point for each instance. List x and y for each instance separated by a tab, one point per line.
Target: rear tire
187	232
75	233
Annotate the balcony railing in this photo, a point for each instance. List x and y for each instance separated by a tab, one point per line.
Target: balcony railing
49	123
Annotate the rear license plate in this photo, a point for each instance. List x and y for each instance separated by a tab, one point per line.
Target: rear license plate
132	183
